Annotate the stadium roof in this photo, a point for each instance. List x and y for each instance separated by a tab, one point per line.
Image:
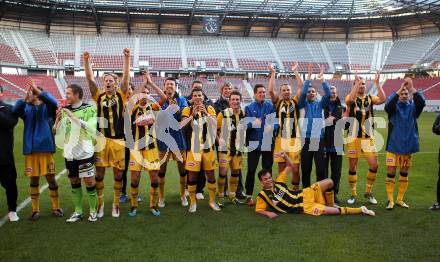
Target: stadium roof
341	9
234	16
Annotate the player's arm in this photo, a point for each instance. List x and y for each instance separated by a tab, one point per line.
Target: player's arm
305	88
261	209
354	90
271	85
125	71
45	97
149	81
381	97
187	117
298	78
89	74
325	86
419	100
391	102
219	127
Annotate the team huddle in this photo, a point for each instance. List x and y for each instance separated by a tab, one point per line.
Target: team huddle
130	130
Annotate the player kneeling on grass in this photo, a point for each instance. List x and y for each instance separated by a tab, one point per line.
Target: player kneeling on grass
145	153
403	137
75	127
37	110
200	123
277	198
231	138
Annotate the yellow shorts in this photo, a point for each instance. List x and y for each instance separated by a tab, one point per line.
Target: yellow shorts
398	160
113	154
194	161
313	200
362	147
292	147
147	159
174	155
226	161
39	164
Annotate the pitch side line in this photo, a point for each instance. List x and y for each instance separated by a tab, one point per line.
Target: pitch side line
28	200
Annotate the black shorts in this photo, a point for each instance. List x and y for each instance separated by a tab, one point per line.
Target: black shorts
81	168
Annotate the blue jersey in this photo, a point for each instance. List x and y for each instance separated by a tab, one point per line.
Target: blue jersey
170	127
38	119
403	134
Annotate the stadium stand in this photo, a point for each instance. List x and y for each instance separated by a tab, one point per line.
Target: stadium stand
41	48
360	54
407	52
9	53
21	81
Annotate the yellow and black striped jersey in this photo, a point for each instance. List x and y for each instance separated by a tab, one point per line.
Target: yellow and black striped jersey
111	108
280	199
234	140
362	109
199	133
144	135
287	110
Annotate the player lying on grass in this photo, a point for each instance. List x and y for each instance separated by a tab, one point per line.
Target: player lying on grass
276	198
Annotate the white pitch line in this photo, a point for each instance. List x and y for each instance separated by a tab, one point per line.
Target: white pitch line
28	200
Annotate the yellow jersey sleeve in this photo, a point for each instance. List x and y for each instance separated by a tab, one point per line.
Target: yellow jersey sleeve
219	120
347	98
260	205
296	99
374	99
96	96
282	177
123	95
211	111
186	112
155	107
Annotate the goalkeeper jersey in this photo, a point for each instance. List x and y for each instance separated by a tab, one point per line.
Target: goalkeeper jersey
77	140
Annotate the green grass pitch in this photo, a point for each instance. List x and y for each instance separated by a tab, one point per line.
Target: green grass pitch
235	233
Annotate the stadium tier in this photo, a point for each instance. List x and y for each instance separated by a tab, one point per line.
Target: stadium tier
177	53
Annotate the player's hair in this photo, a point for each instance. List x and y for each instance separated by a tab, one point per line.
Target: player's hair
225	85
196	82
197	89
236	93
115	77
170	79
258	86
77	90
263	172
285	84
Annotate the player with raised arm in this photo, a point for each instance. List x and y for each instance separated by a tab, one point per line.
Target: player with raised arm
144	152
287	136
403	137
360	110
110	103
175	149
38	110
